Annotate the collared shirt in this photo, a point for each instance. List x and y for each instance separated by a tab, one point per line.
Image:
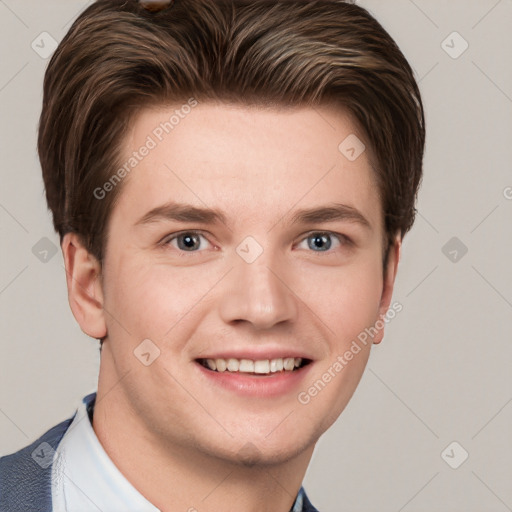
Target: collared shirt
85	479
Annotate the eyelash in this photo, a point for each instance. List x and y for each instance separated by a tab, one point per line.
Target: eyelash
342	239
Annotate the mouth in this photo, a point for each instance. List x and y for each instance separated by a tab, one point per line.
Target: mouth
258	368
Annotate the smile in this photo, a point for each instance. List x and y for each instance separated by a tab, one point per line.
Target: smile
255	367
255	378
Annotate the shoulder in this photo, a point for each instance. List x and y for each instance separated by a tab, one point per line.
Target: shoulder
305	503
25	476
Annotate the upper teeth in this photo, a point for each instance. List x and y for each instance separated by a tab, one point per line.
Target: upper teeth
250	366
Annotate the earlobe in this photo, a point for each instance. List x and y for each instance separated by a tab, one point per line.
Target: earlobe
395	252
85	293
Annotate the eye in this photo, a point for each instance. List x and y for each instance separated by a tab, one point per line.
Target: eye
322	241
187	241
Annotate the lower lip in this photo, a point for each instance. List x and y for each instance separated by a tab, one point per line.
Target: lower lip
271	385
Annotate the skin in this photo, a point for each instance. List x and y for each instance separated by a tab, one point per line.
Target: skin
165	422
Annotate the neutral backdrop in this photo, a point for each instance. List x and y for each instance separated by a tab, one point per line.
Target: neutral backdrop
429	427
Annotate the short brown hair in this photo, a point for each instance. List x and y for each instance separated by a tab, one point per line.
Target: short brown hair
119	57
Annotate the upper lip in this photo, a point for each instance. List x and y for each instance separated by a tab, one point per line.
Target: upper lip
257	354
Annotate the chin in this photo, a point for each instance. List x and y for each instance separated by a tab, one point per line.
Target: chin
257	453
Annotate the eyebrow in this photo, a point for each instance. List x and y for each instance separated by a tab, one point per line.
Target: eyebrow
331	213
181	212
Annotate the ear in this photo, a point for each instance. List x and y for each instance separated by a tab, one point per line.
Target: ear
395	250
85	293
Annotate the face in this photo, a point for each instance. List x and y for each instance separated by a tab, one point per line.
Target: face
244	241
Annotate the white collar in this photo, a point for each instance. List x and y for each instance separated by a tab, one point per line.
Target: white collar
84	478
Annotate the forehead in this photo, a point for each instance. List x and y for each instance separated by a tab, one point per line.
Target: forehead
247	159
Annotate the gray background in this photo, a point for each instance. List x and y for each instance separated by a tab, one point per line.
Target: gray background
442	373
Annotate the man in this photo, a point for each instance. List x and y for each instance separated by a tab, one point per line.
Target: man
231	182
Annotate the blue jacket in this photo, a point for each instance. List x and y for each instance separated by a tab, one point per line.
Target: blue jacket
25	485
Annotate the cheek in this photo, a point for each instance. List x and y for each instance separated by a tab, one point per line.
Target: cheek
148	300
346	299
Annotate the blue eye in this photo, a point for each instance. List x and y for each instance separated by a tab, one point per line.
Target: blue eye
318	241
188	241
322	241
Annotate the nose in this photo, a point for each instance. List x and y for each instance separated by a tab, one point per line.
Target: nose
258	293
